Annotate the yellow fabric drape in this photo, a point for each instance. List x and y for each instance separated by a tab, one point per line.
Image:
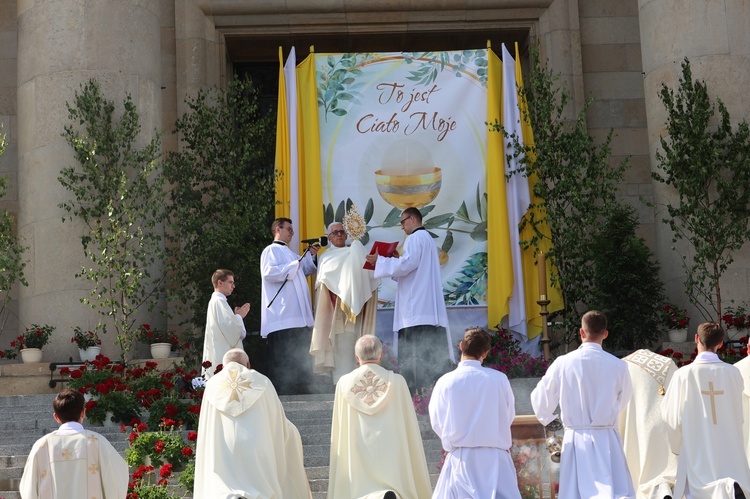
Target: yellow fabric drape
283	159
530	271
310	184
499	263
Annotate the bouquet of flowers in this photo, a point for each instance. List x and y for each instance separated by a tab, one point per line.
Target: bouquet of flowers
35	336
85	339
675	317
150	336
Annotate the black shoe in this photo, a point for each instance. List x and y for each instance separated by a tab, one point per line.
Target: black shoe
390	495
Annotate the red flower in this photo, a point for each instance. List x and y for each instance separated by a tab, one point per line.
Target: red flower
146	327
76	374
218	368
206	364
187	451
165	471
65	371
159	446
192	436
170	410
132	438
194	409
90	405
168	423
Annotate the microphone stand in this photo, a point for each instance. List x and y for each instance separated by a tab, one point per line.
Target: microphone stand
285	279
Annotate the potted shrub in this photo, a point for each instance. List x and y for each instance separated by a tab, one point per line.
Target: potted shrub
737	321
676	321
88	343
29	344
161	341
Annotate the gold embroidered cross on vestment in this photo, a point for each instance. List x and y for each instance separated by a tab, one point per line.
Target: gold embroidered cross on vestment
235	386
369	388
711	393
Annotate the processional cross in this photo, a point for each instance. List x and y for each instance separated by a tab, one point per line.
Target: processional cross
711	393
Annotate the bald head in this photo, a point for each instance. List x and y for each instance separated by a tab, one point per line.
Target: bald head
368	349
237	355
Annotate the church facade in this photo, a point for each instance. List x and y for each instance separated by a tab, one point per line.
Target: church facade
160	51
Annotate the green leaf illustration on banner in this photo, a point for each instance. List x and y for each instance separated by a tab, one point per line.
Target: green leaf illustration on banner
468	287
337	85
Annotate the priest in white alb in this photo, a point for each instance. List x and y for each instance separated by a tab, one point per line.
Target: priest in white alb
246	446
471	410
591	387
346	304
652	465
225	328
72	462
744	367
376	447
703	412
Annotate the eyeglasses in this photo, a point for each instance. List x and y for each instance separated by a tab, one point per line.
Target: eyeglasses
231	283
404	220
337	233
288	227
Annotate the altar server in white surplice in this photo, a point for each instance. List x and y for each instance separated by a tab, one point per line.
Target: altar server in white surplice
346	301
419	316
246	446
72	462
471	410
744	367
376	447
224	328
652	465
592	387
286	317
703	412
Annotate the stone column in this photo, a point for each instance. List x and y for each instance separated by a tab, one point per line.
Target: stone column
714	37
61	45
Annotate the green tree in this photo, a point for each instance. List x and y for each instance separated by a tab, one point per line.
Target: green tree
626	284
708	164
12	261
222	197
576	184
118	193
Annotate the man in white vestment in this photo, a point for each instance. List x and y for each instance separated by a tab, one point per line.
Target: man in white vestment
471	410
744	367
345	307
225	328
703	412
652	465
376	447
72	462
591	387
246	447
286	317
419	315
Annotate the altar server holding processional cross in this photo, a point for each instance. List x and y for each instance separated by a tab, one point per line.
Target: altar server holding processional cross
703	412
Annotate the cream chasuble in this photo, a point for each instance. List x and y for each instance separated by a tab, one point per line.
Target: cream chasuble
246	446
703	413
74	463
345	309
744	367
652	465
375	441
224	331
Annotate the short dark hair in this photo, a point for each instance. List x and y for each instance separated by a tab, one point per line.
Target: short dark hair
68	405
413	212
221	275
710	335
279	223
594	322
475	343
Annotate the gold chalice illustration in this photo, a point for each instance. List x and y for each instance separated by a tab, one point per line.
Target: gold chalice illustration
408	176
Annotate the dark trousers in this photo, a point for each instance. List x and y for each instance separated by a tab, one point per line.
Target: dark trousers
422	355
289	360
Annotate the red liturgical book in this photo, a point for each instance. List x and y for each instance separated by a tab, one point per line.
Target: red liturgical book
383	249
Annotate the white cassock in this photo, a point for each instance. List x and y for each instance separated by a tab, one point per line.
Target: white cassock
471	410
74	463
375	441
592	387
652	464
744	367
419	299
246	447
292	307
345	308
224	330
703	412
